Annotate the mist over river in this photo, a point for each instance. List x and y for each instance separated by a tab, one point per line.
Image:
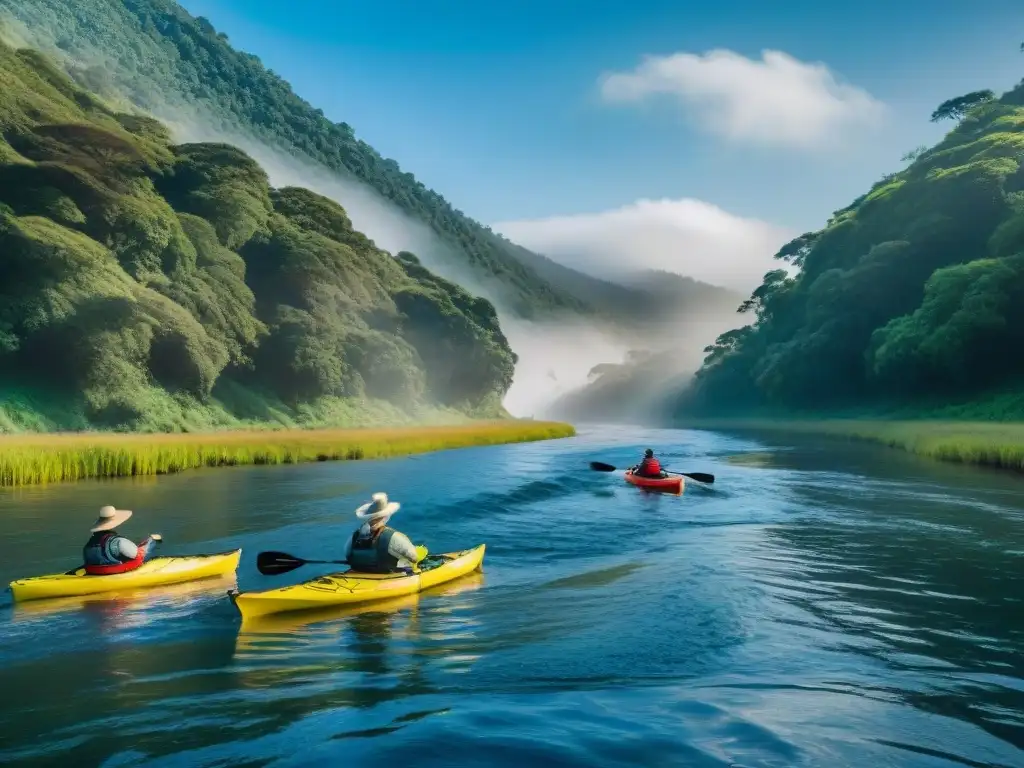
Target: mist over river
823	604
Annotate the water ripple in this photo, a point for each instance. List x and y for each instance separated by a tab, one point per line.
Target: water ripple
820	605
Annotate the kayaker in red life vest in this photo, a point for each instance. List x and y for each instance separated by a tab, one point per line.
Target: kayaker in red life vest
650	466
108	552
376	548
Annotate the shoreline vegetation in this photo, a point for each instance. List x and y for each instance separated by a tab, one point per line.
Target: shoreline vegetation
998	445
36	459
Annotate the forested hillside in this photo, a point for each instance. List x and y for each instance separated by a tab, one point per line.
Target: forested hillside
912	294
147	285
157	55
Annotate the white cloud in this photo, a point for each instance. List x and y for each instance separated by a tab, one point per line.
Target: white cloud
778	100
688	237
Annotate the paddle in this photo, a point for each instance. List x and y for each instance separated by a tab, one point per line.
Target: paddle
700	477
276	563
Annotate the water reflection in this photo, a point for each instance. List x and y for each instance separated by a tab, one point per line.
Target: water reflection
894	585
115	611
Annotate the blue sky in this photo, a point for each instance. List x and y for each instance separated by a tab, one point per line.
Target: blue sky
498	106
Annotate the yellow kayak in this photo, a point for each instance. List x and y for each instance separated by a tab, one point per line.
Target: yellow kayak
156	572
291	621
122	602
349	588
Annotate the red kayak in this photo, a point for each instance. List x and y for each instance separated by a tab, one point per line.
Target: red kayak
672	483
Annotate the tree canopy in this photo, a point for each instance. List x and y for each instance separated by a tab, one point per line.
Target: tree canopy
956	109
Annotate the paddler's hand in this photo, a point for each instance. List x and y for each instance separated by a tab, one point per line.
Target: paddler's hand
156	537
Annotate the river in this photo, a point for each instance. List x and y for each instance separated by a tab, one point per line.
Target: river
823	604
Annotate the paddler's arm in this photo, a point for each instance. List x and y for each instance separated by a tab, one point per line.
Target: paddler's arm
124	549
401	547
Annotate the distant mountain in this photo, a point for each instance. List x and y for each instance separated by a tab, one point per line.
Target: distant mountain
638	299
675	294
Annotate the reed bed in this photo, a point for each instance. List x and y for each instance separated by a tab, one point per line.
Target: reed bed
32	459
989	444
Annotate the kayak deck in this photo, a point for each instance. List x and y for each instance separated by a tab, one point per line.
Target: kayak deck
291	621
156	572
673	484
349	588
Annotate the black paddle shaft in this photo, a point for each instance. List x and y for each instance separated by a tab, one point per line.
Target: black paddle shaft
276	563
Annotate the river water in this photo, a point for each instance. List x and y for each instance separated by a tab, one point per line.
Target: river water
823	604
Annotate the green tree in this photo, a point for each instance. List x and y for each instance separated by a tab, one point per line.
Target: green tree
957	109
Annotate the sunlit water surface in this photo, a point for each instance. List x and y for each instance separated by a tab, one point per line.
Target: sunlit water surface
822	605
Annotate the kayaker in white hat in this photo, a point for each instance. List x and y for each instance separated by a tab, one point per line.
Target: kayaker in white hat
109	552
376	548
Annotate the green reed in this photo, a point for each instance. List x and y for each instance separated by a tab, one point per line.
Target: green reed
31	459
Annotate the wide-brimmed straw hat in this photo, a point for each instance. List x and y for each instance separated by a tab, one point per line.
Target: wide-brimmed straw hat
109	519
379	507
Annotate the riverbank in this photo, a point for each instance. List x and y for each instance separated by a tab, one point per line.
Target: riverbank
990	444
32	459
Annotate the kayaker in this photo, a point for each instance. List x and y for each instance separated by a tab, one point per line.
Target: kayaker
376	548
650	466
109	552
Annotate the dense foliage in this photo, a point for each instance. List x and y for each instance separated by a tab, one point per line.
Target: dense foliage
136	275
157	55
913	292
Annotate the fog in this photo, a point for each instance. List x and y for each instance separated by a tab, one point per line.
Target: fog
638	382
554	357
373	215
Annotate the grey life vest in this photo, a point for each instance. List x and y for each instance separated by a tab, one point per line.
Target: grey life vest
97	549
371	555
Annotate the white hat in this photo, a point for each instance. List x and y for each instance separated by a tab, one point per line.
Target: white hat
379	507
109	519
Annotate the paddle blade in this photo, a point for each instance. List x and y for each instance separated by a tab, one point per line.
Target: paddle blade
276	563
700	477
600	466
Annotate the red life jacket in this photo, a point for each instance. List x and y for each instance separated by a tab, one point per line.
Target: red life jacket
107	570
650	467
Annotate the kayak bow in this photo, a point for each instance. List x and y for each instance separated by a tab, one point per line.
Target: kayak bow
673	484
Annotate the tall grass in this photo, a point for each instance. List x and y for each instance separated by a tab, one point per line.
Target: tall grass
29	459
984	443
